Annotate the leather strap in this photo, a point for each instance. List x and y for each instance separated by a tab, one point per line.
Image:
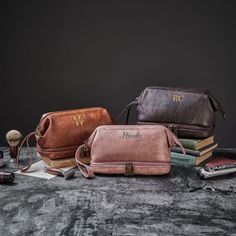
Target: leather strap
127	108
173	140
218	106
86	170
25	140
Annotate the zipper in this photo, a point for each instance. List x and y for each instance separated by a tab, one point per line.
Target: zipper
129	167
123	164
173	128
177	127
194	90
59	149
65	111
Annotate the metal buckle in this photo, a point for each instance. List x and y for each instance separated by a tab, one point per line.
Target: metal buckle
129	169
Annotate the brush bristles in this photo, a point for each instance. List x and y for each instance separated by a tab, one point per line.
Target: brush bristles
13	137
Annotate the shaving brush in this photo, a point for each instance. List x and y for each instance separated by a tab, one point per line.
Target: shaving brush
13	138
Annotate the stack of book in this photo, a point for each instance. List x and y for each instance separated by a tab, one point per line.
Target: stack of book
197	151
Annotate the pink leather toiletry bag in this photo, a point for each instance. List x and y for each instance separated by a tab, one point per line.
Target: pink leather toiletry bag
127	149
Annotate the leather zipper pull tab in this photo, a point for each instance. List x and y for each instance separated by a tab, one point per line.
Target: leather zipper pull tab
86	149
175	130
127	109
129	169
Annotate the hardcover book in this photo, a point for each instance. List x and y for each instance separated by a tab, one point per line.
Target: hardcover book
196	153
181	159
219	161
196	144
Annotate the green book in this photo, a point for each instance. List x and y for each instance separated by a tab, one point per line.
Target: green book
196	153
196	144
181	159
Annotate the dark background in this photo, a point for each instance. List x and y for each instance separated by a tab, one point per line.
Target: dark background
69	54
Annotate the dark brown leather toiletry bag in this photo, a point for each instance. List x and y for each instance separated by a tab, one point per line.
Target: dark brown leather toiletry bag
127	149
60	133
187	112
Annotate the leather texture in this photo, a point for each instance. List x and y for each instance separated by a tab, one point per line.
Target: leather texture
59	134
130	150
187	112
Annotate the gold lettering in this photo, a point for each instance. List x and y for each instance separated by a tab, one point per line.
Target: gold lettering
178	98
78	120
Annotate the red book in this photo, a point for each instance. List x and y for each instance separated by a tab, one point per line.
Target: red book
219	161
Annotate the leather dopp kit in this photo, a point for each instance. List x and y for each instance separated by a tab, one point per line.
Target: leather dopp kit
187	112
90	134
129	150
60	133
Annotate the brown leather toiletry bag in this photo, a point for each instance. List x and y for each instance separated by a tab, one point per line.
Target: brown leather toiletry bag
127	149
187	112
60	133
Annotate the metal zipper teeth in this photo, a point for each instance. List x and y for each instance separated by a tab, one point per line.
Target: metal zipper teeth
197	90
71	111
122	164
70	148
179	126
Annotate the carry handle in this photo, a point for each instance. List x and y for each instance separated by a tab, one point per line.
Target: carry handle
86	170
127	109
173	140
217	106
26	140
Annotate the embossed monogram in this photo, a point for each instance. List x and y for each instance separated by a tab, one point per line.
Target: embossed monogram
178	98
78	120
127	135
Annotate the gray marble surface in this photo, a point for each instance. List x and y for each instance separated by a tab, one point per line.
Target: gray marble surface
115	205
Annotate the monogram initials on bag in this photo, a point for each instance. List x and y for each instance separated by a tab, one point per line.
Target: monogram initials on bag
178	98
78	120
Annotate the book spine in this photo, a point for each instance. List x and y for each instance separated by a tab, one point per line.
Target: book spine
188	151
188	144
177	158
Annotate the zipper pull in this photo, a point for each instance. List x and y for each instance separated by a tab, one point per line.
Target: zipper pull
86	149
170	127
175	131
173	128
129	169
